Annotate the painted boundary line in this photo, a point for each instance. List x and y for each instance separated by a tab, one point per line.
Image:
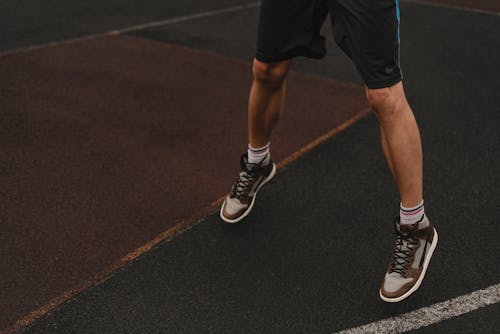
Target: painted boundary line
454	7
200	15
138	27
300	152
187	18
432	314
171	232
184	225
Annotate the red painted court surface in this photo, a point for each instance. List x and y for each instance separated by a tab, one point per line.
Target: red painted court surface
110	145
109	142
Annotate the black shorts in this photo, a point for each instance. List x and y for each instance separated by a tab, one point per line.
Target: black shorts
366	30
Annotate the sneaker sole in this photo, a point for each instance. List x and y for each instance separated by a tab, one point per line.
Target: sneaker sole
247	211
420	279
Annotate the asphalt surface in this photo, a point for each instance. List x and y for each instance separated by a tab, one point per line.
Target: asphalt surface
97	160
29	22
311	255
311	265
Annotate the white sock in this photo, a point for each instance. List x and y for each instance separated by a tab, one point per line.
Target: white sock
411	215
257	154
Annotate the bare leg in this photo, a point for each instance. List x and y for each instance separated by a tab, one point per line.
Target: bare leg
400	140
266	100
265	105
387	153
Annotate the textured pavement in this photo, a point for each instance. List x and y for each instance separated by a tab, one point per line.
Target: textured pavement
302	262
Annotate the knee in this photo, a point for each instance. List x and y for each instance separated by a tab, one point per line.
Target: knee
379	99
272	75
385	101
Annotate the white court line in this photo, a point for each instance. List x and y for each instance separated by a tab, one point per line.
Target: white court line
199	16
138	27
432	314
455	7
188	17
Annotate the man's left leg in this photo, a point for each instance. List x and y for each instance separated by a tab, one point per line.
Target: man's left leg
400	140
416	237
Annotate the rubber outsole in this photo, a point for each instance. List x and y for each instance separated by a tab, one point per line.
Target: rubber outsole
420	279
247	211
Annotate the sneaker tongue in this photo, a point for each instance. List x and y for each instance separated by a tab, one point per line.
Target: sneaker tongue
249	166
406	229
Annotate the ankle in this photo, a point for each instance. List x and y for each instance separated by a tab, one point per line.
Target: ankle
411	215
258	154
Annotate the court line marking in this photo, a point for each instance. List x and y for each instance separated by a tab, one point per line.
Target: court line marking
123	30
432	314
185	18
185	224
200	15
455	7
171	232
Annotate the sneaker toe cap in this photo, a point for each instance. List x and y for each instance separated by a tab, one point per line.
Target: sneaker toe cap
394	283
233	207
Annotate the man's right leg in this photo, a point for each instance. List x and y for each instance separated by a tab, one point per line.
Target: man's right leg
267	99
265	106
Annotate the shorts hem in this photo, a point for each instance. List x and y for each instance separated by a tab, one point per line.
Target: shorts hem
384	83
285	56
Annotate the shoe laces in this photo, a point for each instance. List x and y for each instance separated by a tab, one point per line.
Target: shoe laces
403	248
244	180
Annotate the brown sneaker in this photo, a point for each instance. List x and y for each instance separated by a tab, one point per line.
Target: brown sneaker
252	177
412	253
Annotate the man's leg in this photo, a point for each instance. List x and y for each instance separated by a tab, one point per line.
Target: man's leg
266	102
265	105
400	140
416	237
